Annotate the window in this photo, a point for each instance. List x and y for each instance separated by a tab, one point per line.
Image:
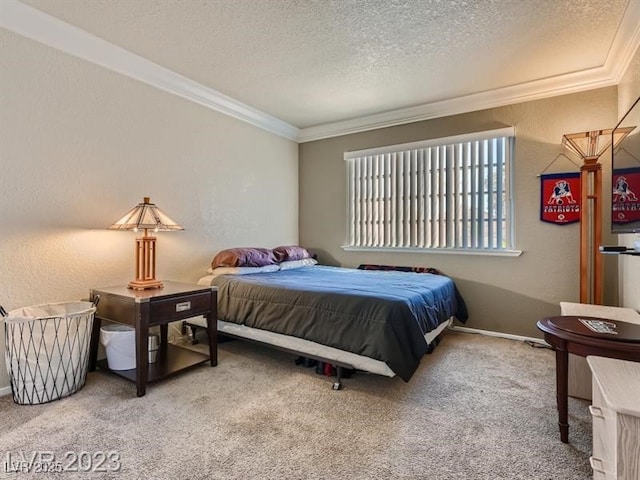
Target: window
447	194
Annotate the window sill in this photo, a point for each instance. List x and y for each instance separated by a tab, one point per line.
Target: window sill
445	251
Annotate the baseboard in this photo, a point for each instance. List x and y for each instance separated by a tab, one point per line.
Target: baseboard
5	390
508	336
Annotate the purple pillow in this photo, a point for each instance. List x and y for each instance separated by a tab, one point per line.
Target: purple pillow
291	252
244	257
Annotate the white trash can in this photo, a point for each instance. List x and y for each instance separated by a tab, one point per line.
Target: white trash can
154	345
47	350
120	344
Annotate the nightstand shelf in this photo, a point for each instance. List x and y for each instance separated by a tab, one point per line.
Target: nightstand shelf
174	360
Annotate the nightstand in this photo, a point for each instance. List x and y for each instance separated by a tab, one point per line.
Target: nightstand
155	307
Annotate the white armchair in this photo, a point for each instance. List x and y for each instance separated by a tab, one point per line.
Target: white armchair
579	372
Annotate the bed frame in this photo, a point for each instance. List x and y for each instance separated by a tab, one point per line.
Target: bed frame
298	346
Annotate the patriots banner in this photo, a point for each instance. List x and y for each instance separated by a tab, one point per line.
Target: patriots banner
560	198
625	198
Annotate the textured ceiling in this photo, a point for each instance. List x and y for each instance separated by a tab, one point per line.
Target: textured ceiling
314	62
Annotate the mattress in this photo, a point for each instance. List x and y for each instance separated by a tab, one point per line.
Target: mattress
382	315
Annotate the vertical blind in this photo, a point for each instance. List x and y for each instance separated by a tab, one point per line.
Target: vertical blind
446	193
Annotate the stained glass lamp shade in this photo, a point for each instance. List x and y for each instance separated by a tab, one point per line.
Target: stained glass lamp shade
146	216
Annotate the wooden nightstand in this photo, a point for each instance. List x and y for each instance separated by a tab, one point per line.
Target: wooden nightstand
157	307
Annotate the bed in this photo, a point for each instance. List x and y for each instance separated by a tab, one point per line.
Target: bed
381	322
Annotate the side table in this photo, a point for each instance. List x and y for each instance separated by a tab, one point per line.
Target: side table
585	336
157	307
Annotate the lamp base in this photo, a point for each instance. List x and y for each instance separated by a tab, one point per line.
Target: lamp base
145	264
144	284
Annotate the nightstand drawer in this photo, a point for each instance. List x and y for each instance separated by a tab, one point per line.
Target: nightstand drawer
181	307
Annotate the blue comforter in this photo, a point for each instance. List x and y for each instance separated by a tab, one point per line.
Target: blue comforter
379	314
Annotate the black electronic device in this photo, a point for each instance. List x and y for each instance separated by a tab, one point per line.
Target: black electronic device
612	248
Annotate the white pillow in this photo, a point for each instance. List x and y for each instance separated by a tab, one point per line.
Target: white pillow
242	270
305	262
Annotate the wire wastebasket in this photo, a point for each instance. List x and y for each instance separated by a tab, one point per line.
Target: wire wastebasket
47	350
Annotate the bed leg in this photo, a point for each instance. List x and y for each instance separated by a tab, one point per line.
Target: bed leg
337	385
434	343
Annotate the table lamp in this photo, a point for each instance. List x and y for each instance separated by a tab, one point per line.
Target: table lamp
145	216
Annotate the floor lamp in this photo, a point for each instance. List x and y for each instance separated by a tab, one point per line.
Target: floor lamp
589	146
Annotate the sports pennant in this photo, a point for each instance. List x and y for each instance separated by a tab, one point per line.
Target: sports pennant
560	198
625	198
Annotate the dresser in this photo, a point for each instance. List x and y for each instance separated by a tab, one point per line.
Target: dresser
615	412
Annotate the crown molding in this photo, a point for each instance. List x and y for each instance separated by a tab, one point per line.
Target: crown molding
36	25
620	55
626	42
549	87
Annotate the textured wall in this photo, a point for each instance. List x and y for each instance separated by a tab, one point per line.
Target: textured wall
81	145
504	294
628	91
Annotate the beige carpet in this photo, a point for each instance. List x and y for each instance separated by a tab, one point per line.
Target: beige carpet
477	408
